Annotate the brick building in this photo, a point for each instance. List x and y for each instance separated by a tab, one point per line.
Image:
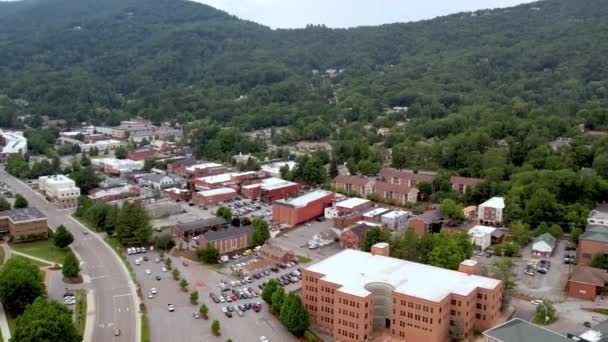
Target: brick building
179	195
228	240
189	230
24	224
407	300
463	184
270	190
427	222
587	282
593	241
142	153
490	213
179	167
365	186
352	205
212	197
303	208
410	301
205	169
352	238
276	254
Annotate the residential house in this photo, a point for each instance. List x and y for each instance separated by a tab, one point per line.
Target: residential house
362	186
481	237
593	241
491	212
427	222
599	215
311	146
276	254
463	184
353	237
587	282
544	245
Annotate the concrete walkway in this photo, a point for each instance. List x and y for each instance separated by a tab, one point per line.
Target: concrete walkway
34	258
6	332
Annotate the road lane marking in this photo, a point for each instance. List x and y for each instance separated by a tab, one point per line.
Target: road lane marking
122	295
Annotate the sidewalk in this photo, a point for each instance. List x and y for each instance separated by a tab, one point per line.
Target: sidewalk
6	332
34	258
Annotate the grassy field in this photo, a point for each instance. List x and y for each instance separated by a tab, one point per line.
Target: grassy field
304	260
145	328
43	249
80	311
35	262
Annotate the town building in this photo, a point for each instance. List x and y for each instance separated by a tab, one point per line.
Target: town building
270	190
352	205
161	182
113	166
227	240
481	237
301	209
24	224
274	169
593	241
470	212
353	237
11	143
205	169
463	184
179	167
134	129
365	186
353	295
544	245
428	222
408	178
587	282
222	180
208	198
60	190
188	230
102	146
597	333
375	214
490	213
143	153
518	330
312	146
179	195
599	215
113	194
396	220
276	254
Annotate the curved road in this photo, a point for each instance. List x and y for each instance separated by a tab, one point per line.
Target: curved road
114	292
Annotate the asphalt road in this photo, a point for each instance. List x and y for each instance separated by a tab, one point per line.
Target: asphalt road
115	302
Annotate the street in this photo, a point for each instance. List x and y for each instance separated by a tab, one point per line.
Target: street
115	299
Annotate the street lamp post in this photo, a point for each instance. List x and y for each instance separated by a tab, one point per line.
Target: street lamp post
546	313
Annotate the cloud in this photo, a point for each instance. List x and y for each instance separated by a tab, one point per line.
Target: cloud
348	13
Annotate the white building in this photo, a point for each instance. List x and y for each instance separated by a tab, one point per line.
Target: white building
117	166
102	145
160	182
12	142
490	212
60	190
599	215
274	169
481	236
396	220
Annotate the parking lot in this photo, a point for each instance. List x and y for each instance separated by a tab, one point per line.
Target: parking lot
181	325
550	285
297	239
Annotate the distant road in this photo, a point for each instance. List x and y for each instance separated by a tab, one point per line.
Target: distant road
115	302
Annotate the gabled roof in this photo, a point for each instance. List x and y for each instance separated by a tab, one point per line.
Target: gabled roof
201	224
518	330
360	230
431	216
589	275
595	233
231	231
546	238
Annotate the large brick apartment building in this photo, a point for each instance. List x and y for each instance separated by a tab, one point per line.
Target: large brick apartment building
355	295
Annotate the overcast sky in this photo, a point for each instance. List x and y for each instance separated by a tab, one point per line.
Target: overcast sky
348	13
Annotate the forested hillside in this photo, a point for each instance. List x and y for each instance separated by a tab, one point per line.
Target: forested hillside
486	91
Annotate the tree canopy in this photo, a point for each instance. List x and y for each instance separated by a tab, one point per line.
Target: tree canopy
45	321
21	282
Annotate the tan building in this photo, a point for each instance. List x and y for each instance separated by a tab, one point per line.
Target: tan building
24	224
60	190
356	296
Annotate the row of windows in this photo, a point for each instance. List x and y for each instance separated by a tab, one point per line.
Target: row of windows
350	334
413	305
327	309
350	302
349	324
327	300
327	320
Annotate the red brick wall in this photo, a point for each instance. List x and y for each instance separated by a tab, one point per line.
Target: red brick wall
587	249
30	228
204	201
343	222
284	214
348	239
251	193
281	193
210	171
344	211
141	155
418	225
581	290
231	244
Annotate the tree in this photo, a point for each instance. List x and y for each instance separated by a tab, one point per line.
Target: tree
373	236
521	232
261	233
209	254
204	311
600	261
451	210
556	231
545	314
20	202
175	273
406	246
224	213
194	297
183	284
426	189
62	237
133	226
71	266
168	262
449	250
268	290
45	321
294	315
575	234
333	167
85	178
20	283
164	242
4	205
215	327
277	300
121	152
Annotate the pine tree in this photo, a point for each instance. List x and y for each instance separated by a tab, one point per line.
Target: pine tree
62	237
278	297
71	266
294	315
133	225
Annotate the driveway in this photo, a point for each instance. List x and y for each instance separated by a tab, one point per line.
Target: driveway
181	325
548	286
297	239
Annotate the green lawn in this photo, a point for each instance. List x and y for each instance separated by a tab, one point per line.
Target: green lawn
80	311
145	328
304	260
12	322
43	249
35	262
1	256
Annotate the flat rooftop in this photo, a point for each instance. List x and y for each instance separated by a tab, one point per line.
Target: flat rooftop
518	330
395	214
375	212
494	202
215	192
57	179
352	203
275	183
355	269
304	200
224	177
23	214
193	168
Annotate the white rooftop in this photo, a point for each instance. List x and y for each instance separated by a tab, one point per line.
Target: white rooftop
224	177
303	200
395	214
105	142
375	212
57	179
275	168
176	190
202	166
469	262
15	142
214	192
355	269
275	183
494	202
351	202
369	224
480	231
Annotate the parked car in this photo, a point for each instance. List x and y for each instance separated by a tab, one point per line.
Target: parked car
228	314
536	302
587	324
170	307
